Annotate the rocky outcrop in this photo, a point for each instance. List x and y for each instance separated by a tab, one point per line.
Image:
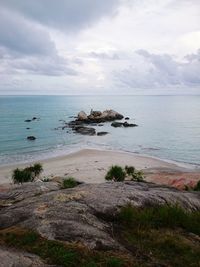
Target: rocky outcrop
98	116
84	213
95	118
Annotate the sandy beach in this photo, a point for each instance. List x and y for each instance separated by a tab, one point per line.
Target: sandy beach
90	166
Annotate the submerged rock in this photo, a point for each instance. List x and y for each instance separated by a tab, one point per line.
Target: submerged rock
27	120
102	133
31	138
116	124
126	124
85	130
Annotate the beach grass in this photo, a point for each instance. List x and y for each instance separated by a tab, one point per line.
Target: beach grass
166	235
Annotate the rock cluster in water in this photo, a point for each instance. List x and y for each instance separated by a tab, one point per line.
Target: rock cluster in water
96	118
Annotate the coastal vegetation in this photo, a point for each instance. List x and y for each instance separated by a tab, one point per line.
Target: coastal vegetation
59	253
118	174
28	174
160	235
193	188
69	182
197	186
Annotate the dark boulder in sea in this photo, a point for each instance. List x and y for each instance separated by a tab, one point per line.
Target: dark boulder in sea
126	124
27	120
31	138
28	128
127	118
116	124
84	130
102	133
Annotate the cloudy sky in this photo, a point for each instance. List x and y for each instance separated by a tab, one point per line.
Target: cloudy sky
100	47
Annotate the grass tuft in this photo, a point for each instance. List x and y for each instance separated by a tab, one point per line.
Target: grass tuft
59	253
70	182
163	216
161	235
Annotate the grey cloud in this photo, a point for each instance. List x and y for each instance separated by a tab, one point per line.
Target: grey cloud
49	66
160	70
193	57
64	14
26	47
19	36
110	56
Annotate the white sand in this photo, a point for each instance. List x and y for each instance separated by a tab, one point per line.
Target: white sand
90	165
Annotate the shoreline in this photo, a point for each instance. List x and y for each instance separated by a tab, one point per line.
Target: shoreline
91	165
64	153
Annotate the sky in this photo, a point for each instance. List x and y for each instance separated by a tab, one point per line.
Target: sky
99	47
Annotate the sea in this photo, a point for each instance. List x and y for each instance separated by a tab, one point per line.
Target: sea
168	127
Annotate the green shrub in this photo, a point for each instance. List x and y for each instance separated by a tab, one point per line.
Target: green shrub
197	186
137	176
22	176
129	169
27	174
35	169
70	182
116	173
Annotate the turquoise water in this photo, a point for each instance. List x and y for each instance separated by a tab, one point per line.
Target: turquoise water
169	126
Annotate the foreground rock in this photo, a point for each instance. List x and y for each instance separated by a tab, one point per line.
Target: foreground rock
83	214
13	258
